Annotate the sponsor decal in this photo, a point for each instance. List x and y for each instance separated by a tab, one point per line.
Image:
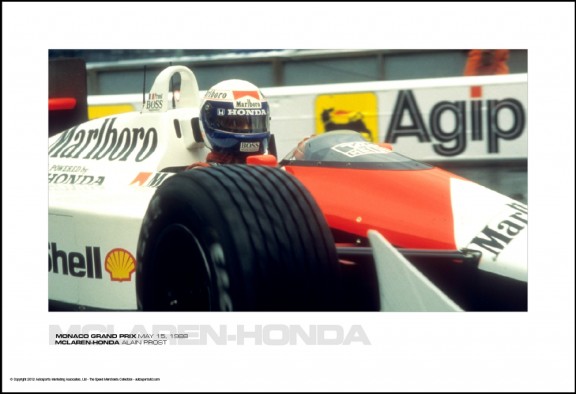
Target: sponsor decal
119	263
149	179
77	264
247	104
155	102
215	94
495	236
72	175
453	142
359	148
245	93
242	100
106	142
249	146
246	112
75	179
64	168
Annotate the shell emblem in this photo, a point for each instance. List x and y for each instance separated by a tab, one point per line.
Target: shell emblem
120	264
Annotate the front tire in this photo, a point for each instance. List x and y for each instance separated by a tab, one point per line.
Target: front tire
236	238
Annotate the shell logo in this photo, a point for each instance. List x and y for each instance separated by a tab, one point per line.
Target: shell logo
120	264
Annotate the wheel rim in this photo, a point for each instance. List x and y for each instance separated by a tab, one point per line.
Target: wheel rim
181	272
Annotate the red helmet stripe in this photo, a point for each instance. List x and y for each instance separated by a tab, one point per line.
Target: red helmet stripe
243	93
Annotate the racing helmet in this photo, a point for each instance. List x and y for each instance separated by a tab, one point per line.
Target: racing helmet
235	119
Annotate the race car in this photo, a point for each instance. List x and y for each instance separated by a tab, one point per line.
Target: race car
339	224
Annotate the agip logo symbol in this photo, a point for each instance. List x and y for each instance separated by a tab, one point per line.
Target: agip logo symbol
351	111
120	264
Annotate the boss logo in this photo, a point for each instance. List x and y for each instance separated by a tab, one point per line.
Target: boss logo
249	146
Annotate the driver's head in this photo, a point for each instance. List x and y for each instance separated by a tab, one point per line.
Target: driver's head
235	119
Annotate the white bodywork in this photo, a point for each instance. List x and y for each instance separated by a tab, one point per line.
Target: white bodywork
102	175
493	224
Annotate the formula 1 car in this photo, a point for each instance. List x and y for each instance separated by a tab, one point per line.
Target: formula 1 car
339	224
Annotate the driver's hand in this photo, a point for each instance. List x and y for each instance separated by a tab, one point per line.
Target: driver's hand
299	152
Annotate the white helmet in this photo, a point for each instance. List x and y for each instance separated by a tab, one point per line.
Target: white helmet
235	118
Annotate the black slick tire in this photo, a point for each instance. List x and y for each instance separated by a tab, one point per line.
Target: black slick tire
235	238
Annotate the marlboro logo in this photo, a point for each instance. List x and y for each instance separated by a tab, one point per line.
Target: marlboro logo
495	236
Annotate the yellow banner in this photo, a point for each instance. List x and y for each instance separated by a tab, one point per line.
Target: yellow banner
350	111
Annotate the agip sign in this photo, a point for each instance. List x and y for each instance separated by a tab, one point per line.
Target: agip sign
440	123
470	122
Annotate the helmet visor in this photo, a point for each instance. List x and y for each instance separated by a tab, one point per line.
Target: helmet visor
241	123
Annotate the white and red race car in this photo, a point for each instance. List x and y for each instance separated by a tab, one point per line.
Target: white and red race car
339	224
